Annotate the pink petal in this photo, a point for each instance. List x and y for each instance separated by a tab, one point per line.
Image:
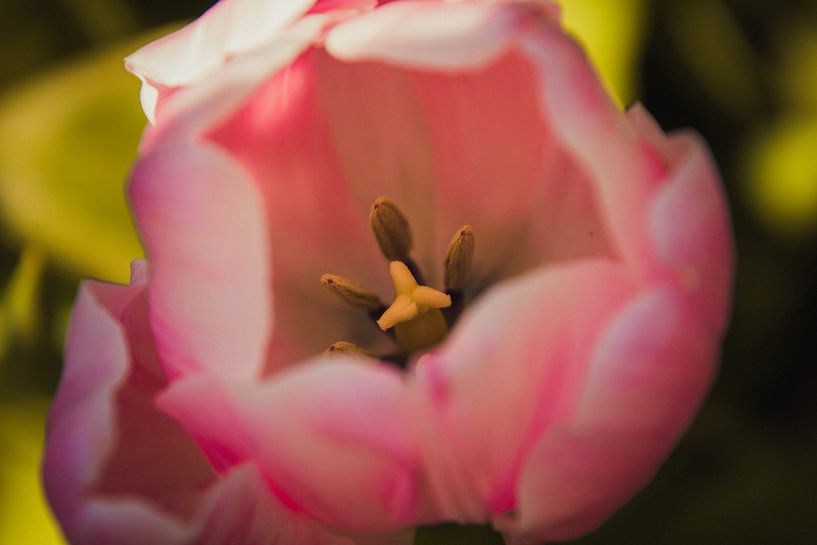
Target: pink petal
689	223
125	522
228	28
649	372
444	146
80	423
117	470
203	225
453	149
514	366
437	35
152	457
240	510
187	112
280	136
624	171
689	219
105	438
329	437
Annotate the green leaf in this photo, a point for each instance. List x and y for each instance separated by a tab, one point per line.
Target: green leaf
19	301
24	515
67	140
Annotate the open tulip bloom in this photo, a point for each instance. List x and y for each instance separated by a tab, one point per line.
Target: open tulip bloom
524	288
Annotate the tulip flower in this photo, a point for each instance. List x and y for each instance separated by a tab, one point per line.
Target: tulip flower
524	288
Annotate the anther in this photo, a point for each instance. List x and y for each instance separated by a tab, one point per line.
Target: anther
458	259
352	292
392	230
346	348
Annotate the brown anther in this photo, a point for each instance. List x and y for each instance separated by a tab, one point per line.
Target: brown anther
346	348
351	292
458	259
392	230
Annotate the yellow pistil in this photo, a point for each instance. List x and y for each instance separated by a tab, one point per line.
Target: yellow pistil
414	314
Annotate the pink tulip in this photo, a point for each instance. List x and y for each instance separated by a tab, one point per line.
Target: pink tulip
197	405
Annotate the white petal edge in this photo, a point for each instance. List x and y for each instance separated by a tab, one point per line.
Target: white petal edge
432	35
229	28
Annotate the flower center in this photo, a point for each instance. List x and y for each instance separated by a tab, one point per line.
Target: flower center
420	316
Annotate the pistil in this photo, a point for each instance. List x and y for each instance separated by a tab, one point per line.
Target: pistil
415	316
414	319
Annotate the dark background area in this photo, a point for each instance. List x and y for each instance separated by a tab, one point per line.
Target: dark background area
746	473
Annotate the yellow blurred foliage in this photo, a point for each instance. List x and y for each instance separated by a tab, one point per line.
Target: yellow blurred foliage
779	164
612	31
67	140
19	308
24	515
781	173
796	69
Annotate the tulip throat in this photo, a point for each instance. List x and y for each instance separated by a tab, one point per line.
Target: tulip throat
420	316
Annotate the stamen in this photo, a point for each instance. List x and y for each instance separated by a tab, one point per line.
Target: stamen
352	292
458	259
349	349
415	313
420	316
392	230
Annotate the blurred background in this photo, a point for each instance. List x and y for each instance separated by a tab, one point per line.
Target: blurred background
743	72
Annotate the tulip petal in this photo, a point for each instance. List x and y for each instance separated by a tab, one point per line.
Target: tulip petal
316	432
102	522
648	374
80	424
203	226
431	116
514	366
97	445
689	223
688	218
228	28
437	35
240	510
315	226
451	149
188	111
152	458
624	170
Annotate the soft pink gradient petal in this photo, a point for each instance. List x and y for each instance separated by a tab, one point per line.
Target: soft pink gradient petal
152	457
229	28
189	111
453	36
689	218
648	374
240	510
689	224
203	225
624	170
514	366
118	470
80	424
89	452
281	138
451	150
125	522
330	438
